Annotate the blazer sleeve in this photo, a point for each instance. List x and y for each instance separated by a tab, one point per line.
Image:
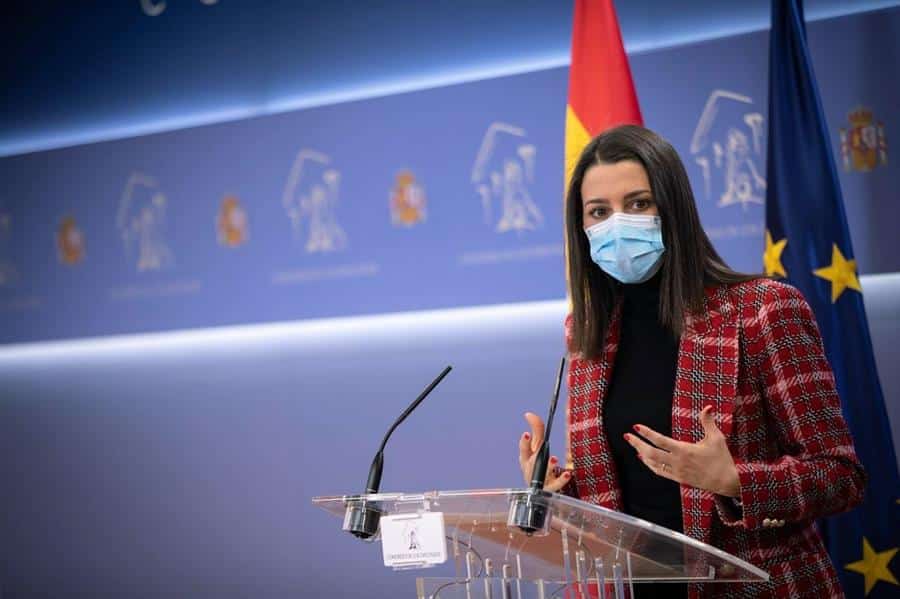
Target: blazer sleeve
817	472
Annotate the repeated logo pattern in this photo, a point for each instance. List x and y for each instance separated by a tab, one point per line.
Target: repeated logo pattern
310	200
69	241
863	144
141	222
503	174
727	145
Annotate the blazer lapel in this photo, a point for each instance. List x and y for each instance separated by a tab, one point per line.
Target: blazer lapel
588	386
706	375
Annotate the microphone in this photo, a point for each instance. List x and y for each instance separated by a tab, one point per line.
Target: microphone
530	510
361	519
539	472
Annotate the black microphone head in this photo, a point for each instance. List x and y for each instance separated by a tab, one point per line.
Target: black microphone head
530	512
362	520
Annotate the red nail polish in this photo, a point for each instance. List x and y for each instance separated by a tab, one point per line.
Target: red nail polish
636	429
552	460
527	436
567	474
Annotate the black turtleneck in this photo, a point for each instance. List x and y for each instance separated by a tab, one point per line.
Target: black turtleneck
640	392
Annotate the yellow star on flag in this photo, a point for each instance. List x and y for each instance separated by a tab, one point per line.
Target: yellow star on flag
874	566
841	273
772	256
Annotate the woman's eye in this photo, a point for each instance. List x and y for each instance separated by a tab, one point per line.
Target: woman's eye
640	205
598	213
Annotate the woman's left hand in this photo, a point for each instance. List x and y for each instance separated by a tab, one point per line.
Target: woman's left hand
705	465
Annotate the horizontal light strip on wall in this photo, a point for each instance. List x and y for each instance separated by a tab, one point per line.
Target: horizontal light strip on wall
383	328
387	329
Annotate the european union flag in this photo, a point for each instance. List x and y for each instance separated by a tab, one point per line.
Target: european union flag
808	243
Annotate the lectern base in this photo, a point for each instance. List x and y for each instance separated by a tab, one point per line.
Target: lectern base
514	588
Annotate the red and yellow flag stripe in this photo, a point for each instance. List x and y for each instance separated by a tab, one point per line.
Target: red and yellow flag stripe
601	91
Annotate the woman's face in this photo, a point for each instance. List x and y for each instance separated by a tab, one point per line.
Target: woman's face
615	187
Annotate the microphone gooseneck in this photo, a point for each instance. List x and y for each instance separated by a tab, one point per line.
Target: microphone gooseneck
529	510
374	481
541	462
362	517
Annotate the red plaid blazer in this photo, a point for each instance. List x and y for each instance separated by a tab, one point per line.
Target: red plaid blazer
755	355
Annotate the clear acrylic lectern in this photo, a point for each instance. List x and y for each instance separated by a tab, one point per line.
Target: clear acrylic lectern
573	549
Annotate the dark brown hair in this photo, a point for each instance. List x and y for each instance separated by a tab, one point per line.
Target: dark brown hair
689	264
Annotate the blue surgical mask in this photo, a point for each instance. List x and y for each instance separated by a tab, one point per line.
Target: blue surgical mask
628	247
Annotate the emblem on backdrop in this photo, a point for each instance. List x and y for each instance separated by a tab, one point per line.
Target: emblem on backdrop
69	241
863	143
231	222
142	223
407	201
503	175
727	146
310	200
8	272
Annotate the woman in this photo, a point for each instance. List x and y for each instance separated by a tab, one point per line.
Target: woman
699	398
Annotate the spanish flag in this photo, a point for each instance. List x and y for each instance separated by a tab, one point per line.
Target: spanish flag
601	93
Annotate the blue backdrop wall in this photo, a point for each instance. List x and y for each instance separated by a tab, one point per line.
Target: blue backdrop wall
183	463
406	202
81	71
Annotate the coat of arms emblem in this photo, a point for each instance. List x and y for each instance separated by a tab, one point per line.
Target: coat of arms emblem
863	144
407	201
231	224
69	241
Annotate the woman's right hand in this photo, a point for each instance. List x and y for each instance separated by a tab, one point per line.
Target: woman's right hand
529	444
